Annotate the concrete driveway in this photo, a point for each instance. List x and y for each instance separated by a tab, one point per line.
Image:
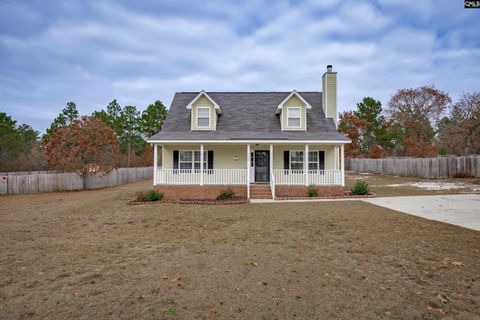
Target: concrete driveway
460	209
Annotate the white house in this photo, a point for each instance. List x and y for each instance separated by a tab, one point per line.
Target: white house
262	144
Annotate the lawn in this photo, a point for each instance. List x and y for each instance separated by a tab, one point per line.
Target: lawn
87	255
388	186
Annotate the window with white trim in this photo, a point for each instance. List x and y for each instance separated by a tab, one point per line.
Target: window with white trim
203	117
293	117
188	160
296	160
313	161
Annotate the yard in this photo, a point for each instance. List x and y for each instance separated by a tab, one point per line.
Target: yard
88	255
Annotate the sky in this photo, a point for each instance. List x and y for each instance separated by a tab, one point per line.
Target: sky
92	52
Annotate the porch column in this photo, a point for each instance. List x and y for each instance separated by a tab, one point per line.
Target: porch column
155	162
342	164
305	164
271	162
248	171
201	164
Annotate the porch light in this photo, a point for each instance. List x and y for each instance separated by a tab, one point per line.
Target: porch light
235	158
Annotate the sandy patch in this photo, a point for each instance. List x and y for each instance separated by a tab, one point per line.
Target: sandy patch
438	185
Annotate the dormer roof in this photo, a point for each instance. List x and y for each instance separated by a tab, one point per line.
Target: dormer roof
293	93
204	94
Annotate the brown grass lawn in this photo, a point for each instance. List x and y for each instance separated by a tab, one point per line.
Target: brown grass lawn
87	255
381	185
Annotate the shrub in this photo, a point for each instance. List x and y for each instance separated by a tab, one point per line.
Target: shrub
226	194
151	195
312	192
360	188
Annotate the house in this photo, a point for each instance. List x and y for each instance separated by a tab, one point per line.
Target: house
262	144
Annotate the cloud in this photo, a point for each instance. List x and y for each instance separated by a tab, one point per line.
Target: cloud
94	51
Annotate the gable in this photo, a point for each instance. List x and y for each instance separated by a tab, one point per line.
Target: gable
202	103
294	102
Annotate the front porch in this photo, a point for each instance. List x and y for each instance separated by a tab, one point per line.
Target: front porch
281	166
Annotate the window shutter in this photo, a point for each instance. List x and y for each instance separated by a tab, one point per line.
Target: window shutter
321	160
286	160
175	159
210	159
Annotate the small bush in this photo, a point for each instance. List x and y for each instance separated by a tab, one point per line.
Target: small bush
226	194
463	175
312	192
151	195
360	188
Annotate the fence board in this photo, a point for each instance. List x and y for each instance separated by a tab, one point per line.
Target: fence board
50	181
430	168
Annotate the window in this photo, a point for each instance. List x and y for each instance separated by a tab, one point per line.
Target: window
293	115
296	160
313	160
188	160
203	117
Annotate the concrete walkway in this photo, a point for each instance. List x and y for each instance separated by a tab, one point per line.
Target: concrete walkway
460	209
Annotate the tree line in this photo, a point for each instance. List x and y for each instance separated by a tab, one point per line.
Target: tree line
106	139
417	122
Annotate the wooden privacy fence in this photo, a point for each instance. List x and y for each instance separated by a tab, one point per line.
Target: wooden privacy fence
431	168
51	181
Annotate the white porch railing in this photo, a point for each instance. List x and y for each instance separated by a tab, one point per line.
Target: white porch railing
210	176
315	177
239	176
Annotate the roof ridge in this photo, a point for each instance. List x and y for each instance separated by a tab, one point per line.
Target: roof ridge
256	92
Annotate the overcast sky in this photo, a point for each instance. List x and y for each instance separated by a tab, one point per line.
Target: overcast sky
91	52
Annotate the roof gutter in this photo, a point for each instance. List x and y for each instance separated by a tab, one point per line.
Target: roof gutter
332	142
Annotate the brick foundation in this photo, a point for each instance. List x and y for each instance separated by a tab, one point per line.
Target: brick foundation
183	192
301	191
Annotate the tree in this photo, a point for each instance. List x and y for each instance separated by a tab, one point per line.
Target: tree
354	128
152	119
126	123
412	112
68	114
376	138
85	141
460	134
112	117
14	140
131	131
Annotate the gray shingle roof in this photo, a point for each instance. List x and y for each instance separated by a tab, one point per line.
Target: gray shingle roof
247	116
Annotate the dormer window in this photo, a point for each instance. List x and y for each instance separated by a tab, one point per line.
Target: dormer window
294	114
203	117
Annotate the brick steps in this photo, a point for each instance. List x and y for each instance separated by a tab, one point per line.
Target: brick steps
260	191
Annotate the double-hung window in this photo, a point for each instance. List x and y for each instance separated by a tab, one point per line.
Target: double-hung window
313	160
296	160
203	117
188	160
293	115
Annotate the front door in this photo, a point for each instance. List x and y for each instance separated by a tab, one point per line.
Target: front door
262	166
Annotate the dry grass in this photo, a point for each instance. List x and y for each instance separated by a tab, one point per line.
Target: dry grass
87	255
381	185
